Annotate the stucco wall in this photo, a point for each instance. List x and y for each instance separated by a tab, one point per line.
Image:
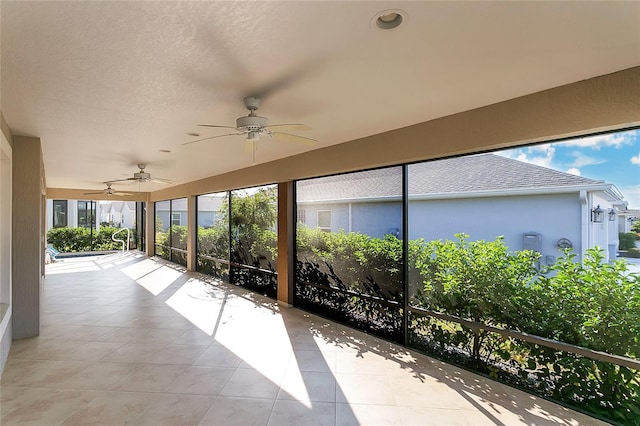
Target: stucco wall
28	235
554	216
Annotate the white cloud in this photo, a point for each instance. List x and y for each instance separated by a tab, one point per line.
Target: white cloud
631	195
598	141
540	155
635	159
574	171
581	160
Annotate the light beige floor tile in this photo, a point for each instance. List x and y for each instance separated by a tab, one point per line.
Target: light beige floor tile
92	351
45	406
73	332
427	392
194	337
229	411
324	362
357	414
176	410
366	362
44	374
250	383
177	379
308	386
363	389
295	413
38	348
440	417
111	408
154	353
136	358
218	356
99	376
165	322
134	352
176	354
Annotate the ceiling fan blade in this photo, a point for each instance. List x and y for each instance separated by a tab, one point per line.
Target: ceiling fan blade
288	127
122	194
93	193
212	137
158	180
294	138
215	126
125	181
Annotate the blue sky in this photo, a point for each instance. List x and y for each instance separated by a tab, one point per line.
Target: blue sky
612	157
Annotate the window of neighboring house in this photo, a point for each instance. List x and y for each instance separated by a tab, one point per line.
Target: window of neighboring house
85	214
324	220
175	219
59	213
301	216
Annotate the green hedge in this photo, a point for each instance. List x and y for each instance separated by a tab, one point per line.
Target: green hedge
72	240
593	304
627	240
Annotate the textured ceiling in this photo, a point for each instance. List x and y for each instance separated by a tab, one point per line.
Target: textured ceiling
106	85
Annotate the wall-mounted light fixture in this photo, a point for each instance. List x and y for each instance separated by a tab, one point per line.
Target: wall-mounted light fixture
612	215
597	214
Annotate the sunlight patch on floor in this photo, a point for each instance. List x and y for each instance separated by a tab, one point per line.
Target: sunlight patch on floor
159	279
199	303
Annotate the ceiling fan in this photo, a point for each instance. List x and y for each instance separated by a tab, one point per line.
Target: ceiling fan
109	191
141	177
253	127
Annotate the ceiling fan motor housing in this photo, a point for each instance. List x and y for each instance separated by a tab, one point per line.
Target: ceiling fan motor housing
142	176
251	123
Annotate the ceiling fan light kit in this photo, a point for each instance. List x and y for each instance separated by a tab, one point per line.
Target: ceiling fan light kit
252	126
141	177
109	191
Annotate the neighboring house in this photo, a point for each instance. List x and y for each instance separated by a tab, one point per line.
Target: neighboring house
175	213
484	195
626	219
87	214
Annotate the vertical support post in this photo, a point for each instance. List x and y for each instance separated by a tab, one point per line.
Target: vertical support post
150	228
286	243
192	232
232	278
405	254
28	236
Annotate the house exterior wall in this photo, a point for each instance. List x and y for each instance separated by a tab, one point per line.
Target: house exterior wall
554	216
603	234
339	215
377	218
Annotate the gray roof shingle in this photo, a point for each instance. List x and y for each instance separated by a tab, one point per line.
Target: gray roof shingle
469	174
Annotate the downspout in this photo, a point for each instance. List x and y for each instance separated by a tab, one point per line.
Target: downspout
586	236
350	219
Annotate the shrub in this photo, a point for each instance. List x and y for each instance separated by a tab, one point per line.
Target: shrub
589	303
72	240
627	240
634	252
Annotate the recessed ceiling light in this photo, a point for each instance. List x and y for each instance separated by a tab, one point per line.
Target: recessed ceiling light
193	134
389	19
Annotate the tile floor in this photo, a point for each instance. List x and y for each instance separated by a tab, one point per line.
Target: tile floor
131	340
